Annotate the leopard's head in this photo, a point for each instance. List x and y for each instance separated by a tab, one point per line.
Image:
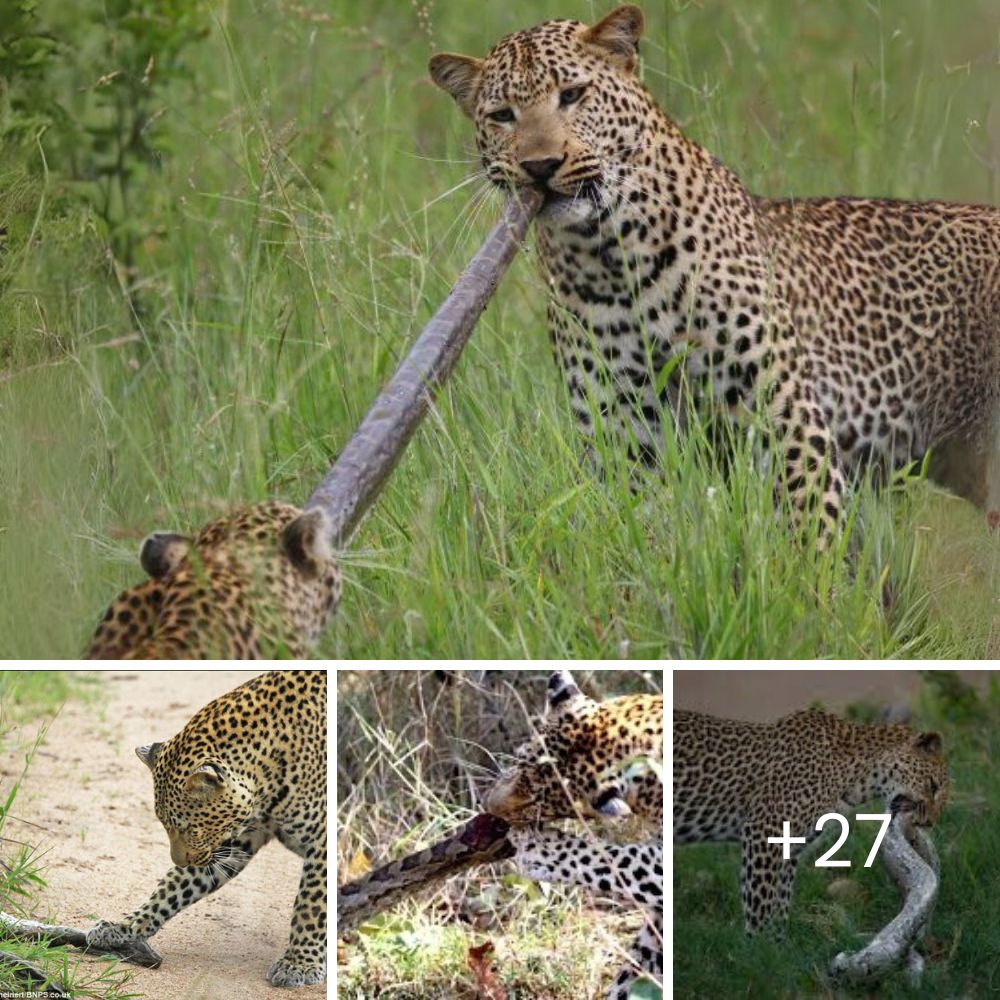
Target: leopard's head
262	580
200	799
914	777
587	758
556	106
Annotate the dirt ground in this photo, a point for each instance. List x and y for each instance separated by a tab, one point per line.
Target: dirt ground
91	800
766	695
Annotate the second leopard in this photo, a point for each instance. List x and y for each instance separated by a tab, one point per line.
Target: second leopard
249	767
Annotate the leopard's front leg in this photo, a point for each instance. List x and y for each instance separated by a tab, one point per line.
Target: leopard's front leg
615	408
178	889
645	957
304	961
811	473
767	877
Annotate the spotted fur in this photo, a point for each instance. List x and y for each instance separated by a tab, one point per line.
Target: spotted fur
250	766
593	758
630	873
739	781
260	582
870	328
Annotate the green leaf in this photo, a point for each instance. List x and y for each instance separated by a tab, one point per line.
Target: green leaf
645	989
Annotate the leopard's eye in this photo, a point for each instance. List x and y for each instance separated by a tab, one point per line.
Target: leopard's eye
502	115
570	96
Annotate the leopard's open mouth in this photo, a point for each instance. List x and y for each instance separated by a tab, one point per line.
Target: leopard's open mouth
904	804
584	206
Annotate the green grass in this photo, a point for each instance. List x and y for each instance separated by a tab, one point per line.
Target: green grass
713	957
30	695
293	249
559	952
34	694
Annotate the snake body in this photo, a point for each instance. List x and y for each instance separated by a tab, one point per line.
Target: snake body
482	840
912	860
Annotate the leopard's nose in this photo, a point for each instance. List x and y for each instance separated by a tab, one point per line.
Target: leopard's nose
542	170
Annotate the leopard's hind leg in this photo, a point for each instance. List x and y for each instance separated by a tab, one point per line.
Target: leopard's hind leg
968	464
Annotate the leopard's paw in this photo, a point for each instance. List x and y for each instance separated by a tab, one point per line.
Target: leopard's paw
296	970
105	934
122	940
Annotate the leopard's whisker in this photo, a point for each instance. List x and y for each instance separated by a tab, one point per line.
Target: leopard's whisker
464	218
476	175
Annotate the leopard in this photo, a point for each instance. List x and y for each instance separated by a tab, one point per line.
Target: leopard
262	581
592	759
853	337
739	782
248	767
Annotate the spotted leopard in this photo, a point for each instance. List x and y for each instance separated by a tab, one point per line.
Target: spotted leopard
593	759
249	767
262	581
740	781
869	328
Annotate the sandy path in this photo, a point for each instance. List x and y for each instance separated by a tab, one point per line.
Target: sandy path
93	801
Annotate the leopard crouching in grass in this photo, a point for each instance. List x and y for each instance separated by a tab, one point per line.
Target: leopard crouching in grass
870	328
249	766
740	781
593	759
261	581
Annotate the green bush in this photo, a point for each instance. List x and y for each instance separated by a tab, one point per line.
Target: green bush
88	82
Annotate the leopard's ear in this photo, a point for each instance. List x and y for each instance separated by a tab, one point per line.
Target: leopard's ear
459	76
307	543
149	753
162	551
617	36
204	782
563	691
929	743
